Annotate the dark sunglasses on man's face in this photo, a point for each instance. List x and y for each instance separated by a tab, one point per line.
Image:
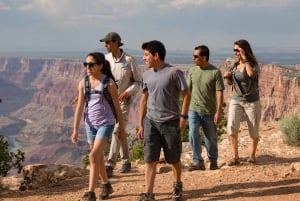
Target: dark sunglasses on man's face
90	64
196	56
236	50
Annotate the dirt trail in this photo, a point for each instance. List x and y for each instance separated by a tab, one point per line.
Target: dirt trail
271	178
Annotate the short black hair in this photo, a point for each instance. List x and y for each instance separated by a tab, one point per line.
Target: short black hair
204	51
155	46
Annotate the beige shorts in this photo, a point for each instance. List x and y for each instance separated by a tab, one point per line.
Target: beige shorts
251	111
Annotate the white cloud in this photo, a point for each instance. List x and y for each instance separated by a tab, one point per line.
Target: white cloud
70	9
3	6
139	20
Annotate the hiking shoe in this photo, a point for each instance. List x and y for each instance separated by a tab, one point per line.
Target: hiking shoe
106	190
233	161
177	191
146	197
199	166
125	168
213	165
109	171
89	196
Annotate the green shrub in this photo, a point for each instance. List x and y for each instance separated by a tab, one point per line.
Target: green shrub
137	151
290	127
9	160
86	159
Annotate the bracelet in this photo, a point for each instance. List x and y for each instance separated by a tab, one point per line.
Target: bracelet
184	116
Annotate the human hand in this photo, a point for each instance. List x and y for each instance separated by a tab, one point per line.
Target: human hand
242	53
227	74
140	133
217	118
123	96
74	137
182	124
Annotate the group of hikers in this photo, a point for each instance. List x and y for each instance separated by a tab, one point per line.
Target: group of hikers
105	96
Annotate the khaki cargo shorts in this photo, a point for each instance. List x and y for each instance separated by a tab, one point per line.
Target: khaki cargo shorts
251	111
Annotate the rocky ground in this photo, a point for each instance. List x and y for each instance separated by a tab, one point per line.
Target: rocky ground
273	177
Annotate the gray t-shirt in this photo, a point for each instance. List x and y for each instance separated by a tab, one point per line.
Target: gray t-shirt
164	87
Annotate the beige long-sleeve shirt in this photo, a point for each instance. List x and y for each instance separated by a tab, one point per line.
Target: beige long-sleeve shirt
126	72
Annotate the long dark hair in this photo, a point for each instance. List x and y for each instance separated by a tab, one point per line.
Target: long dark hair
244	44
100	59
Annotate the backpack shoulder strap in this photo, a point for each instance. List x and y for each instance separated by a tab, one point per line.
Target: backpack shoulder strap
87	92
105	82
87	88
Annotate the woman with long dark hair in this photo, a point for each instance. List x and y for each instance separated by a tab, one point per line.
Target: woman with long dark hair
243	77
98	117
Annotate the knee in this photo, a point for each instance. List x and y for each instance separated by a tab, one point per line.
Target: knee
93	157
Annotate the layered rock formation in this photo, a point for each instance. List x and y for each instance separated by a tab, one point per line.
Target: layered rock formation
38	93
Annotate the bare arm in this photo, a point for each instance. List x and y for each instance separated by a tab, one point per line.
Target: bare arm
78	112
249	69
112	89
142	113
185	107
220	98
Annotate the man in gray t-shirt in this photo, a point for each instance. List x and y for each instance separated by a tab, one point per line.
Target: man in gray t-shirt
160	119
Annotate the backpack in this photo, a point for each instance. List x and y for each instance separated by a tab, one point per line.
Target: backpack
105	92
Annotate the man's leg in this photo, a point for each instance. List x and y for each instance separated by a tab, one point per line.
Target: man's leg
116	146
177	185
211	139
195	142
172	147
152	148
176	168
124	151
150	173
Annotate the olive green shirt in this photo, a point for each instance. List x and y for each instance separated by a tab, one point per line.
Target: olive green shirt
203	83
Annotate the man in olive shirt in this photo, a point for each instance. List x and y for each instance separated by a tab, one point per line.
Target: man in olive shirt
206	84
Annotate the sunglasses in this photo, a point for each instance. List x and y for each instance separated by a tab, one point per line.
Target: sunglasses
196	56
236	50
91	64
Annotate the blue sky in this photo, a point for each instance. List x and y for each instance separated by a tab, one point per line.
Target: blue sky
77	25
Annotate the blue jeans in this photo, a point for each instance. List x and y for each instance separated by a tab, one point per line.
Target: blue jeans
210	136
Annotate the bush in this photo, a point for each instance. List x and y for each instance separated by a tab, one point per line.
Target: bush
137	151
86	159
9	160
290	127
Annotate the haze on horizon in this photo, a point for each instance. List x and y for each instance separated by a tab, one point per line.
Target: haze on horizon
74	25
